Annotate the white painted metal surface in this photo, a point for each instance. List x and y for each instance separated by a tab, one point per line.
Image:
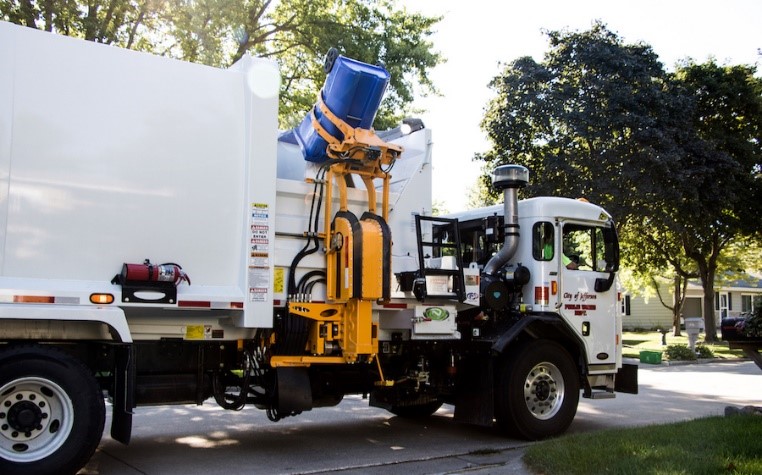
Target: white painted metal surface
575	298
110	156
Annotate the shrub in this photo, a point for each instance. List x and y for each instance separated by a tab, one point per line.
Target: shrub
752	325
703	351
680	353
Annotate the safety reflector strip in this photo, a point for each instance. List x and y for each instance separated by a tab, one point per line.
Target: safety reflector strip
33	299
45	299
395	305
208	304
193	304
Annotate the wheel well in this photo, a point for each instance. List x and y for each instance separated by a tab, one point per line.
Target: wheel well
555	331
51	329
97	356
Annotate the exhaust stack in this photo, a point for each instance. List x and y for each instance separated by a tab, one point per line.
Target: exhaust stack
508	178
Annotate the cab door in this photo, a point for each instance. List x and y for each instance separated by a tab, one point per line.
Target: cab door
588	291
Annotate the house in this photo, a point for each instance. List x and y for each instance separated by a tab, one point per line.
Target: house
731	299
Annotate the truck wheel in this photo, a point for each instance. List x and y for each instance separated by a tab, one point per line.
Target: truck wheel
416	412
537	391
51	412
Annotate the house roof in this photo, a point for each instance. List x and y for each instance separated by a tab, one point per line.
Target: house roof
744	282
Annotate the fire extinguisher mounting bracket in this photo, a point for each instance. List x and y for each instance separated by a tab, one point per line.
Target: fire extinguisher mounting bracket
149	292
150	283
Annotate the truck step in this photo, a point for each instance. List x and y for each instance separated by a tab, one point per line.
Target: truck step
602	395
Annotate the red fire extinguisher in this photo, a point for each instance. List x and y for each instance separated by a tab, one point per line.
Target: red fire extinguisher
147	272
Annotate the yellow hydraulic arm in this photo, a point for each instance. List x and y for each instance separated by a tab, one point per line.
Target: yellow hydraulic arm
358	251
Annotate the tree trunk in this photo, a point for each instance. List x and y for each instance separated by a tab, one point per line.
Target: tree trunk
707	282
677	308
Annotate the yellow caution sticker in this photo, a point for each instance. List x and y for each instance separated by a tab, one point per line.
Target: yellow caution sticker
279	277
194	332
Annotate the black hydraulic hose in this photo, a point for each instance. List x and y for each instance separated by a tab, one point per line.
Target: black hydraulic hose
229	402
296	328
303	281
308	287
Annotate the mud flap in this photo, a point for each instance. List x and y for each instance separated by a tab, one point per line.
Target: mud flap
124	394
627	379
294	390
475	402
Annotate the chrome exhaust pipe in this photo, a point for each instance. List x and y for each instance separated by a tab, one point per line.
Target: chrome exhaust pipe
508	178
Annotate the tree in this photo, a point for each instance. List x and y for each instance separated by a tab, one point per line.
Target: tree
119	22
590	121
481	194
439	208
674	158
297	33
716	180
654	257
727	163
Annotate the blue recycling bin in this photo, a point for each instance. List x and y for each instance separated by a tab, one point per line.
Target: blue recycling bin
352	91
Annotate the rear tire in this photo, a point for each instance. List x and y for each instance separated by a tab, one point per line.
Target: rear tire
537	391
51	412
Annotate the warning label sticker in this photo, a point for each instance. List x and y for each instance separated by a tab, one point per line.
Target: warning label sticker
259	283
279	280
198	332
259	256
259	259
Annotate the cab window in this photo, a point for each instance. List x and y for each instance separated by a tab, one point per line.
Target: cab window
543	247
592	248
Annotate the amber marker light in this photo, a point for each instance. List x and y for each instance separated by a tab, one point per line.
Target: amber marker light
101	299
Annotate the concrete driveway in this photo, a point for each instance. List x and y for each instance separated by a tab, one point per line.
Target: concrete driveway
353	438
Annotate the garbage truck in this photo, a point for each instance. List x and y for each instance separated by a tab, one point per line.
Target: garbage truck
164	243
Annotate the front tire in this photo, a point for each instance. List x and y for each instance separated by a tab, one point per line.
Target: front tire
538	390
51	412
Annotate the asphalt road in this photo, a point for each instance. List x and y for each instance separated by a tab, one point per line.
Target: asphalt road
353	438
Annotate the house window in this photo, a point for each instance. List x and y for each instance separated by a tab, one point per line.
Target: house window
749	302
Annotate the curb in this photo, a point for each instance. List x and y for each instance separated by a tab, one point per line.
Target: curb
684	362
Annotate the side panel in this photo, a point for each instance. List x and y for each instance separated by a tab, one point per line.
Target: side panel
117	157
7	49
261	86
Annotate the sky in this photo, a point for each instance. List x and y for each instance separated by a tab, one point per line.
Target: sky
476	36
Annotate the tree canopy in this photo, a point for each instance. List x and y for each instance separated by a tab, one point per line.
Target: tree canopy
675	157
295	32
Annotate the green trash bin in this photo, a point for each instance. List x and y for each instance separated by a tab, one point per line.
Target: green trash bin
650	357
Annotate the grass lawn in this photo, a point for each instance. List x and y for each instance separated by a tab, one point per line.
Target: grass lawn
714	445
634	342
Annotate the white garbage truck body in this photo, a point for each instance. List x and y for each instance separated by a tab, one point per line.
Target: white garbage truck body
150	215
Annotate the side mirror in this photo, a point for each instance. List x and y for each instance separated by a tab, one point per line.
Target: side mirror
603	285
